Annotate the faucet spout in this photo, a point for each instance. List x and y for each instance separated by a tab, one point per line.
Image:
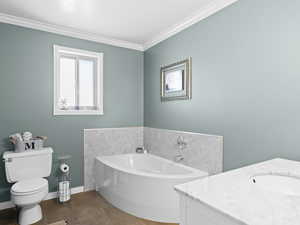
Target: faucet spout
141	150
178	158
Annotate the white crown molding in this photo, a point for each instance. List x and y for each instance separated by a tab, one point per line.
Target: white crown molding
213	7
51	195
66	31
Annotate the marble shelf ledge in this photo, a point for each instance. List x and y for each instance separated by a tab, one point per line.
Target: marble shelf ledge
232	194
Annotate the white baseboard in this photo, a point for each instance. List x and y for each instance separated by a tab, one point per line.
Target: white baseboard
51	195
74	190
6	205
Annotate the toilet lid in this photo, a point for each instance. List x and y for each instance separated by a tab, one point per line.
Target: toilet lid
31	185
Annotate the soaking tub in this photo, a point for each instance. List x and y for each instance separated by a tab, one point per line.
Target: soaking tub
143	184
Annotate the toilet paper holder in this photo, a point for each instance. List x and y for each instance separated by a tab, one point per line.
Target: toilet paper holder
64	179
64	168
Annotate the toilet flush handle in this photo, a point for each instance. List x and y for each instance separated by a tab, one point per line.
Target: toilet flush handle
7	160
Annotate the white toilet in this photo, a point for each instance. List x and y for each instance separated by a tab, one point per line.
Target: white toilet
26	170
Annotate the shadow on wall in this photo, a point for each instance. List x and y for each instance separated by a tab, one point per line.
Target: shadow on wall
5	145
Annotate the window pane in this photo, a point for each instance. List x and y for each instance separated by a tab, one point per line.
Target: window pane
67	82
86	82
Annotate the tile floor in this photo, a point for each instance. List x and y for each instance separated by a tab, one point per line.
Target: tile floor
87	208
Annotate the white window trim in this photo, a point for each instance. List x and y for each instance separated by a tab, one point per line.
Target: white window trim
99	57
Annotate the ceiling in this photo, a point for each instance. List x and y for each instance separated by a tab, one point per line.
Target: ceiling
138	23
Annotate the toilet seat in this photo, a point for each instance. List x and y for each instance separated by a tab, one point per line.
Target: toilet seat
30	186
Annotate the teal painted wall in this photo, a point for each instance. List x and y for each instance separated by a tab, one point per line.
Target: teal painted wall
245	85
246	80
26	94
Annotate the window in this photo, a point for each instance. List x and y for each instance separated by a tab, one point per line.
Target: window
78	82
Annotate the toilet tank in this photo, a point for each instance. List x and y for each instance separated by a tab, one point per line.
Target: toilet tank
27	165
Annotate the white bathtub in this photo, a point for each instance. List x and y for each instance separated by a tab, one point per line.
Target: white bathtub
143	184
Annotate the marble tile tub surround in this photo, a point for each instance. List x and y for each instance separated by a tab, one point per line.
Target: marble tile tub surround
107	141
204	152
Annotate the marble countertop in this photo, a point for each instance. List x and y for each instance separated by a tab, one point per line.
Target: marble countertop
233	194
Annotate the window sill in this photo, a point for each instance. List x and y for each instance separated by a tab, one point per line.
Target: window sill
77	112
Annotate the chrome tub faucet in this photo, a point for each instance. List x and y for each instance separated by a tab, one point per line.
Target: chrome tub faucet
141	150
181	143
178	158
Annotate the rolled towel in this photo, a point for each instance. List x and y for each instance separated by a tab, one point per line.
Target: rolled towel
27	136
15	137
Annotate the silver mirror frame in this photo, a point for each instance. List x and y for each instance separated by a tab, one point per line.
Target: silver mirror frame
187	80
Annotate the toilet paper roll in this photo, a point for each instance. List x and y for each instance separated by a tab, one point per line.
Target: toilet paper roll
64	191
64	168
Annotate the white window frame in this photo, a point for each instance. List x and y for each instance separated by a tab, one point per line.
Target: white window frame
78	53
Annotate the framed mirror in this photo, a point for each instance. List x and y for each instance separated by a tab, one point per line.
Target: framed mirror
175	81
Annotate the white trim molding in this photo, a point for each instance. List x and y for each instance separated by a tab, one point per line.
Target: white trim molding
76	54
51	195
6	205
74	190
67	31
213	7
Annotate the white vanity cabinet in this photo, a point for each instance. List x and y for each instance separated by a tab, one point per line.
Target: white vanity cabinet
265	193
